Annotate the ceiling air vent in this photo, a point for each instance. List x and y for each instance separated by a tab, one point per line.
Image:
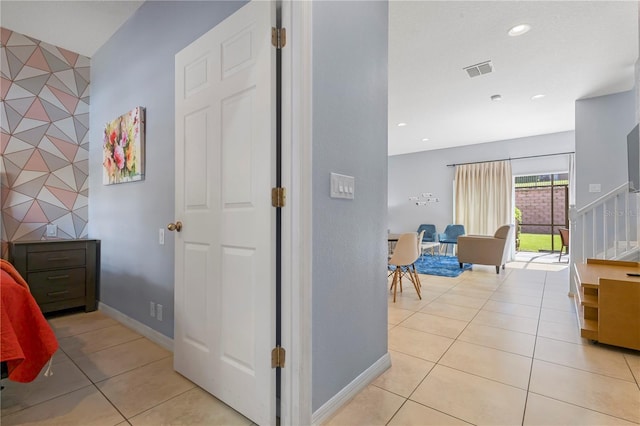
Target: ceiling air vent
479	69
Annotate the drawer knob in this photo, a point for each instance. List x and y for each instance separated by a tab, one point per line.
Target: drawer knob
175	226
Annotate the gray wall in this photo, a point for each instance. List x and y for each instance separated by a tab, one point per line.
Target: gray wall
349	237
602	125
413	174
136	68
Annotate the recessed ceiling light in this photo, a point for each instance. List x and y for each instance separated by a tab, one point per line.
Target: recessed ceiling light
540	96
496	98
402	124
425	139
519	30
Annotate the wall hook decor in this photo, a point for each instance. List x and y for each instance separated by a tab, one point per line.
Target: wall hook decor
424	198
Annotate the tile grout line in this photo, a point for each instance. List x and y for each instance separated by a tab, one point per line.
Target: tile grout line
110	347
130	370
91	382
581	407
496	381
533	354
160	403
86	354
419	403
570	367
637	380
110	402
94	330
47	400
95	383
398	410
545	294
54	328
440	358
584	408
586	371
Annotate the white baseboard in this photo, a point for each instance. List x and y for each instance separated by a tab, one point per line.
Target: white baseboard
145	330
352	389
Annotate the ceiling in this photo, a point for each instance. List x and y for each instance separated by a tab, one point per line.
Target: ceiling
80	26
574	50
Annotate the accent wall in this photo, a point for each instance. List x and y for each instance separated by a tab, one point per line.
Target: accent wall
44	128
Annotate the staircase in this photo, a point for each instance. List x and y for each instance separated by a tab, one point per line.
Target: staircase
607	228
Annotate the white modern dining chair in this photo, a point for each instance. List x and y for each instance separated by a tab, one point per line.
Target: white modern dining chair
404	257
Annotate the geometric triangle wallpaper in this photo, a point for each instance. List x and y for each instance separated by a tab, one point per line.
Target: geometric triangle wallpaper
44	130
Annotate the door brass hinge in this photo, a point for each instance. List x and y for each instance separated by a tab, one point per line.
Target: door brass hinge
278	197
277	357
278	37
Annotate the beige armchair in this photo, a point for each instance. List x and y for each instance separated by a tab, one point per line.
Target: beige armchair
486	250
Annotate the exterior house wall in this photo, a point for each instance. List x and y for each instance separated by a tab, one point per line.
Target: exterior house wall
535	205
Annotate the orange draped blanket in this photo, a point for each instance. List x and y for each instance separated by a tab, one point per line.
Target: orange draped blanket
26	339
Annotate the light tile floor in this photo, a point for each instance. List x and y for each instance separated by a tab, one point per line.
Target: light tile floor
106	374
496	350
478	349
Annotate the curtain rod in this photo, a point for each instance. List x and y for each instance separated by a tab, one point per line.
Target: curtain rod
514	158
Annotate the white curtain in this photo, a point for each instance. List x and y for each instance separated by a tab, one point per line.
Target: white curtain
483	196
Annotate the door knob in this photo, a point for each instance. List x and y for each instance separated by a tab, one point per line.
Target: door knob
175	226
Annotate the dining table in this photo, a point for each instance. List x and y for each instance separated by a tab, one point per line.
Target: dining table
392	240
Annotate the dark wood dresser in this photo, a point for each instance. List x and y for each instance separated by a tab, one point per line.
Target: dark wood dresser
61	274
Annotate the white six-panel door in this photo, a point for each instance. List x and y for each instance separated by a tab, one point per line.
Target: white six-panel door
224	254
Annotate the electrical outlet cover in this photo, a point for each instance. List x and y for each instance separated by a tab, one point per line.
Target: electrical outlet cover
52	230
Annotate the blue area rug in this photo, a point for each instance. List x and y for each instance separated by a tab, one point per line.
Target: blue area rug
443	266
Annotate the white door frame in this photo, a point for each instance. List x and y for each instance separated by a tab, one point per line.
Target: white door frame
295	398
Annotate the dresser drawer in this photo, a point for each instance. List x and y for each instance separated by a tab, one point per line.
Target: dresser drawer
55	259
61	284
62	274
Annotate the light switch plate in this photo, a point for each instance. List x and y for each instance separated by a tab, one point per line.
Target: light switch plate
342	186
595	187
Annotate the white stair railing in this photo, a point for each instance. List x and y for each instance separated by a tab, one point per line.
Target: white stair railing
606	228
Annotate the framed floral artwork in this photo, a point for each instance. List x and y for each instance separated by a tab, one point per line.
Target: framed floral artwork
123	148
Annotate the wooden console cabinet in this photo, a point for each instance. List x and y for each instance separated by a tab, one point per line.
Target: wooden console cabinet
61	274
608	302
